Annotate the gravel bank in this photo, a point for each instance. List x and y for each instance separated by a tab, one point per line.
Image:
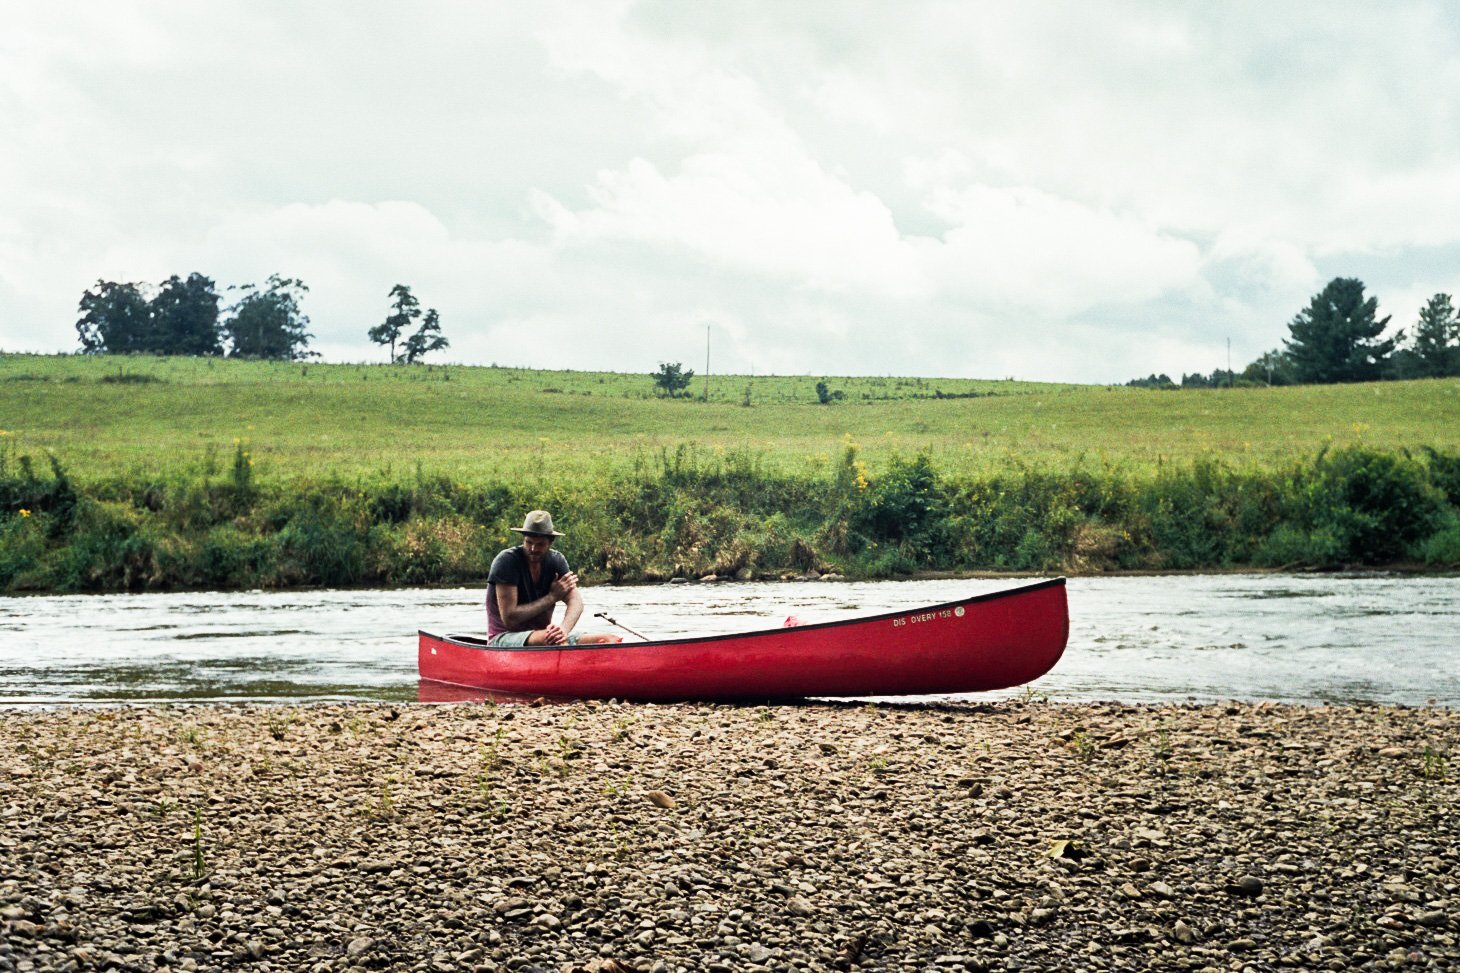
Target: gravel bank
1018	835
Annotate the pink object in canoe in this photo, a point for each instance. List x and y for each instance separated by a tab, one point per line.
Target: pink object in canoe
989	641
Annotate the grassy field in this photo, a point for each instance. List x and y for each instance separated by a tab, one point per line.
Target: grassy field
138	474
109	416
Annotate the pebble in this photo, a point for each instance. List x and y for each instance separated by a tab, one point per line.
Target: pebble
1249	885
899	837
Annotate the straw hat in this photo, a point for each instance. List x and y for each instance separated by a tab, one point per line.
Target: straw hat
538	522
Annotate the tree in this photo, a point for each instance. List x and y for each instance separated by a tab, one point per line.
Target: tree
672	377
1271	368
268	323
185	318
1435	341
115	319
425	340
1336	337
403	314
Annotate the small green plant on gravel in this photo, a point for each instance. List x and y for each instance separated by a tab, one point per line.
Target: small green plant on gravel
877	766
569	746
192	736
200	866
384	806
1031	695
496	807
1161	751
621	727
619	790
1084	747
1433	764
279	724
765	714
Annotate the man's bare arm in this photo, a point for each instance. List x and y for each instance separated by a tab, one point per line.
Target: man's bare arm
573	612
514	616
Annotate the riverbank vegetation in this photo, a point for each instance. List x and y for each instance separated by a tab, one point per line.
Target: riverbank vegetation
116	475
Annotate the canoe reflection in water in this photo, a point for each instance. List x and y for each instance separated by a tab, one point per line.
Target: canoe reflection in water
990	641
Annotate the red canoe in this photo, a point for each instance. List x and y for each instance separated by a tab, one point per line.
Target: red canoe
988	641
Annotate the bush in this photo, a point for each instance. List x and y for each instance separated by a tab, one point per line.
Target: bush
108	551
690	511
1442	549
1375	504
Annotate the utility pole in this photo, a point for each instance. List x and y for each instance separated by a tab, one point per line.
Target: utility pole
707	363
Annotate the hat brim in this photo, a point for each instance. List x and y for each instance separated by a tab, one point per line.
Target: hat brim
535	533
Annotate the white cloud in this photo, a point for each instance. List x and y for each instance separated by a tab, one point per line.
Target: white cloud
1046	190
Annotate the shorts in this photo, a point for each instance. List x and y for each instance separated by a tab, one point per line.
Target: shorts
516	640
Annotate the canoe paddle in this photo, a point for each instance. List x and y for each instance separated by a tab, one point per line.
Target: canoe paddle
614	621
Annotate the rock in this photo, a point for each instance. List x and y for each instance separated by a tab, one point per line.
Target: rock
359	946
1247	885
1184	933
1393	752
799	906
661	799
1241	945
827	748
1130	891
1163	890
1432	920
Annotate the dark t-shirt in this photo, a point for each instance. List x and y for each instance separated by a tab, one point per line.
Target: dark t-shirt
510	567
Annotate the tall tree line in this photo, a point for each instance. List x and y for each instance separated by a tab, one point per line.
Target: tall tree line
187	317
1339	337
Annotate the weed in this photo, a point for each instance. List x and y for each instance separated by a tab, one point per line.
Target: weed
279	724
621	728
1084	747
384	806
1434	766
1161	751
200	866
619	790
497	808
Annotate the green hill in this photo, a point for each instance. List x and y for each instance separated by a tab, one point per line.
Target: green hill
105	415
142	473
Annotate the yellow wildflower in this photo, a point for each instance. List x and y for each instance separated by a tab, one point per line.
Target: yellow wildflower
24	512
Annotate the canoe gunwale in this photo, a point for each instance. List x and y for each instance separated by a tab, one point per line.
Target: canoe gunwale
472	642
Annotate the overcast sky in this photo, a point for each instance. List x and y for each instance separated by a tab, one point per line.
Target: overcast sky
1061	191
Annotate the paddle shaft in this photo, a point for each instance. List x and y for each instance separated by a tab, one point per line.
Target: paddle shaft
614	621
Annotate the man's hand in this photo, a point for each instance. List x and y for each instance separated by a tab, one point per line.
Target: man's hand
564	586
554	635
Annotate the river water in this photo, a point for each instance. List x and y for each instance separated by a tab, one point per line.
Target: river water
1292	638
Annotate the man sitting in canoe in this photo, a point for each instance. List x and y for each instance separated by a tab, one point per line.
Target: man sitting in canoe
524	586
